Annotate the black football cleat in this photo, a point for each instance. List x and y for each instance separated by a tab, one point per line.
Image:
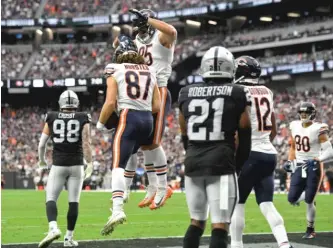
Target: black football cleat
309	234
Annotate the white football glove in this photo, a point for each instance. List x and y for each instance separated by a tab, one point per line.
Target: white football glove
88	171
103	129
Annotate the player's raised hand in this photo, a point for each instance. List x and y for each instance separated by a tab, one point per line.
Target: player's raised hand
138	15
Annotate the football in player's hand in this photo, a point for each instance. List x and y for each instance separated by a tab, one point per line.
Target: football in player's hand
112	122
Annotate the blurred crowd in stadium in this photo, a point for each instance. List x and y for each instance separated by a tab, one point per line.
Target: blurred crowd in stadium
21	129
81	60
16	9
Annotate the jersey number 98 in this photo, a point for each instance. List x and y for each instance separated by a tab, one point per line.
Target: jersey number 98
69	132
197	130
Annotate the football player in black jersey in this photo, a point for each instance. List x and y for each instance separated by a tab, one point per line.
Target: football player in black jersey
69	131
210	115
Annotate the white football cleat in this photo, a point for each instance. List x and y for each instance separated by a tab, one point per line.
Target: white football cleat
50	237
69	242
117	217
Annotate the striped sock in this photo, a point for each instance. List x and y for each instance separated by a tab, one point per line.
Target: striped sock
129	178
118	188
161	169
151	174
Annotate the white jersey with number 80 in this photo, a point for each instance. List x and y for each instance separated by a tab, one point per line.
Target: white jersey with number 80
135	85
306	140
261	113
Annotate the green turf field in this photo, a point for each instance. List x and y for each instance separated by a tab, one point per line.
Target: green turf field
23	216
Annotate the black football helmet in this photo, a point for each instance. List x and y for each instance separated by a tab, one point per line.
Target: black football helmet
307	112
144	30
248	70
126	45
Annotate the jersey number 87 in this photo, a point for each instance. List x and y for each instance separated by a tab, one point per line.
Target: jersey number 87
197	124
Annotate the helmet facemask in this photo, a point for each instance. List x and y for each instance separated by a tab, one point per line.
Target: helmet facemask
306	116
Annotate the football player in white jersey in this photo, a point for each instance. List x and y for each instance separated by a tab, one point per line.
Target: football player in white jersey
156	42
132	89
258	171
310	148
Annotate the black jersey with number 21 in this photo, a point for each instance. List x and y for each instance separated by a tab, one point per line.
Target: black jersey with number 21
66	134
212	112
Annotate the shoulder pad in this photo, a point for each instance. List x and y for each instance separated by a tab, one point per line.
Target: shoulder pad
110	69
323	128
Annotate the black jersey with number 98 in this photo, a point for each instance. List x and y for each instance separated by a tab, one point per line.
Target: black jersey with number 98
212	113
66	134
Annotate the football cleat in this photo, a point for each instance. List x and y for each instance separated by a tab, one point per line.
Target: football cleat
69	242
117	217
149	198
161	196
310	233
50	237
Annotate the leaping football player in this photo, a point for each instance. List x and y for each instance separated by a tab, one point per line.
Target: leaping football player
155	40
132	84
310	148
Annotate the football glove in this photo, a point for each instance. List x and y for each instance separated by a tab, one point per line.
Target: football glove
101	127
289	166
140	20
42	165
88	171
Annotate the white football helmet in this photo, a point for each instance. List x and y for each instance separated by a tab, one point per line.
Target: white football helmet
218	62
68	100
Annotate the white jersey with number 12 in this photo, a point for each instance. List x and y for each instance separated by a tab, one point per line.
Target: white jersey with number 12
261	113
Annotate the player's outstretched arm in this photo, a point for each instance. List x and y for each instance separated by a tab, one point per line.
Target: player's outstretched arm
86	146
168	32
326	152
110	100
273	132
244	137
156	105
42	145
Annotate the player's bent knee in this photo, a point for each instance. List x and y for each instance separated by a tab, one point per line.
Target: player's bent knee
292	199
271	214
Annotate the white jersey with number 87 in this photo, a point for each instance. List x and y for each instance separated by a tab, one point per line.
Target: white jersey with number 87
135	85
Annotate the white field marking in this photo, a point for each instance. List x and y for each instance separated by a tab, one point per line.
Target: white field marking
147	238
128	223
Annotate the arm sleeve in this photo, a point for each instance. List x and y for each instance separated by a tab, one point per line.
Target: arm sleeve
41	147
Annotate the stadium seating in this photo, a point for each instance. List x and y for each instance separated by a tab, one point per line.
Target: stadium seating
19	9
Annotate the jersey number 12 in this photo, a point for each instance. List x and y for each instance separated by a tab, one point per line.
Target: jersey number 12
196	130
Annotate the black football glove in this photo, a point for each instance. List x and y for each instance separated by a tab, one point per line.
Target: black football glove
140	20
